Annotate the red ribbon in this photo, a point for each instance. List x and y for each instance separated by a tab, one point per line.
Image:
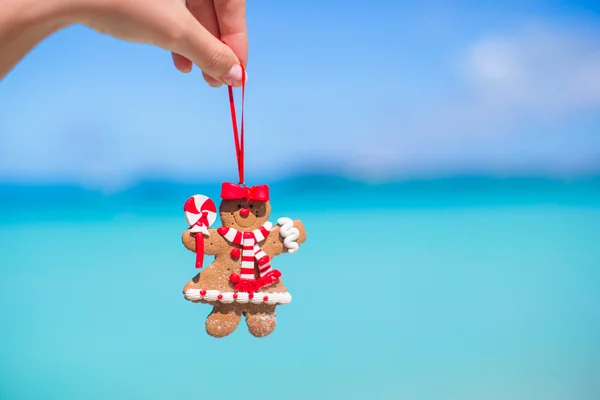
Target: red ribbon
238	137
231	191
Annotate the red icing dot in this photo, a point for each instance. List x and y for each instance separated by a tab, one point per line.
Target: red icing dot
202	292
250	295
235	295
266	298
235	253
220	296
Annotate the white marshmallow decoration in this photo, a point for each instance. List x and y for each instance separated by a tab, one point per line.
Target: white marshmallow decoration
290	234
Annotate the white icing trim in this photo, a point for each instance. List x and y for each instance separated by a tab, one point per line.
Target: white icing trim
290	234
242	297
200	228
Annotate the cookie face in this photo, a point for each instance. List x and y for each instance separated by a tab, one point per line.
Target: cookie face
244	215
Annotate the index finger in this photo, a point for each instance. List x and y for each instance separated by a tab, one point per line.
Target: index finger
231	15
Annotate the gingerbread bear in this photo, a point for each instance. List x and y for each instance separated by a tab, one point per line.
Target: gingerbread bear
241	281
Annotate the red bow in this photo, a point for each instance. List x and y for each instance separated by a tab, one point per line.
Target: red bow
203	220
231	191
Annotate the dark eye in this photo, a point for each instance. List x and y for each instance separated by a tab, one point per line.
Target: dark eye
251	205
239	206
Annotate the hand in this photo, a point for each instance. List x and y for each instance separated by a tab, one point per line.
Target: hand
165	23
224	19
191	33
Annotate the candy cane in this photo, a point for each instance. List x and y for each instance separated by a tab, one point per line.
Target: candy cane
290	234
200	213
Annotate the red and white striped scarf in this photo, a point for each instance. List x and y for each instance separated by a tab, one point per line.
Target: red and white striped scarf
251	252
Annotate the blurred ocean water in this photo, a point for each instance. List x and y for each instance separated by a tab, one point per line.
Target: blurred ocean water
472	289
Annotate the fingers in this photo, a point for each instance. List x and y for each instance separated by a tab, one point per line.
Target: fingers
181	63
224	19
184	65
212	82
231	16
216	59
204	12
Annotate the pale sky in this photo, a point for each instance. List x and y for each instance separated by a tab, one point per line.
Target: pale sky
404	90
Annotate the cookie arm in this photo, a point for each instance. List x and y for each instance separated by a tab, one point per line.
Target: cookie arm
300	226
274	243
213	244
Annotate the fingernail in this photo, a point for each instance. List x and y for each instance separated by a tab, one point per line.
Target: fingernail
215	84
234	76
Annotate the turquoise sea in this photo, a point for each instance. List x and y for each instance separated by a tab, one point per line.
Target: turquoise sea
473	288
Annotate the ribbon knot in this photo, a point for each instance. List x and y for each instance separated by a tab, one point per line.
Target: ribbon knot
231	191
203	220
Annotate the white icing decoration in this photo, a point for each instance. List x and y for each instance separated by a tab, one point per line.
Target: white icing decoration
242	297
227	297
211	295
197	228
285	298
290	234
258	298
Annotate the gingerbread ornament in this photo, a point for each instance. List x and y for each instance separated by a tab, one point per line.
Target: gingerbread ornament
242	281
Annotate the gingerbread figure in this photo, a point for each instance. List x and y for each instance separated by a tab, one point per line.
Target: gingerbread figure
240	281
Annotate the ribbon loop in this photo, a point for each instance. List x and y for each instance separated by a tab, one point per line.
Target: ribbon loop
231	191
238	136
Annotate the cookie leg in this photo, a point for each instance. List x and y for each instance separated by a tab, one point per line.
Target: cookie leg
261	320
223	320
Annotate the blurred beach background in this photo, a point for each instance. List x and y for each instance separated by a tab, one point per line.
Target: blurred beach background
444	157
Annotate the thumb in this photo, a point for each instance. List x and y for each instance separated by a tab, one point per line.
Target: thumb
212	56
